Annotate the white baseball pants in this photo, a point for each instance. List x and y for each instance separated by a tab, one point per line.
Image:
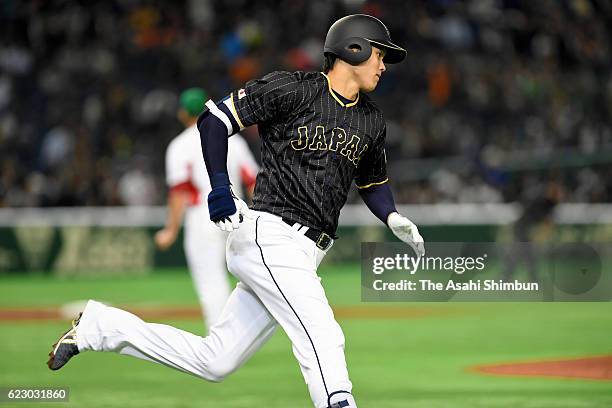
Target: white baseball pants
276	266
204	246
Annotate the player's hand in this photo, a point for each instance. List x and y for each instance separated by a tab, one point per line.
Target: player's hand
406	231
164	238
232	222
224	208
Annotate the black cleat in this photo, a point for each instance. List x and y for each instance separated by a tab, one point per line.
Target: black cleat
65	348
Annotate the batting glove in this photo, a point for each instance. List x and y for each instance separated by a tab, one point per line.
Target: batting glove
406	231
232	222
224	208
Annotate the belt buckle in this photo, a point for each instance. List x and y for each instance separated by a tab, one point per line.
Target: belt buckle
324	241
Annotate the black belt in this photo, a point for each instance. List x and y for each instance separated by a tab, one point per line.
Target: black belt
320	238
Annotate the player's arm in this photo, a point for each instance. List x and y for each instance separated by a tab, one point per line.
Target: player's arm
177	203
181	191
372	182
249	186
245	163
215	127
259	101
379	199
248	173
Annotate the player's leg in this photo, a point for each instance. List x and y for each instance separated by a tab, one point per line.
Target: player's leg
243	327
205	251
280	265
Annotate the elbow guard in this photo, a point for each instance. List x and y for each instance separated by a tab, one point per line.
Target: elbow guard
222	113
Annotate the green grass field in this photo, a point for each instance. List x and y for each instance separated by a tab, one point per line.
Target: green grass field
394	361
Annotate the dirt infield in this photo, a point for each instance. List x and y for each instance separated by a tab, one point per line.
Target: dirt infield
182	312
591	368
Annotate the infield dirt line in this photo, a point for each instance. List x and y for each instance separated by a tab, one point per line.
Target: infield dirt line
194	312
597	368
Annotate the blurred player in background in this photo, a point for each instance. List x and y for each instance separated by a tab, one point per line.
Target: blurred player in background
188	185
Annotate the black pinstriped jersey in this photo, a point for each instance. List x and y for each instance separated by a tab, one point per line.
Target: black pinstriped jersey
313	145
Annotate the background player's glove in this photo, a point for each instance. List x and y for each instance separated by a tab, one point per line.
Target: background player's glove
224	208
405	230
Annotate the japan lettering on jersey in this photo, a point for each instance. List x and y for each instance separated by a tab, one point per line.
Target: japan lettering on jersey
314	145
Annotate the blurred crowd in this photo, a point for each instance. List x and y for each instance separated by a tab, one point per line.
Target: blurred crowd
496	98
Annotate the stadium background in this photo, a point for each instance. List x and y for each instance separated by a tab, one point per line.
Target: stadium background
497	101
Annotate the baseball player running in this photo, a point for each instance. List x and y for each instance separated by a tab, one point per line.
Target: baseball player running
188	184
320	132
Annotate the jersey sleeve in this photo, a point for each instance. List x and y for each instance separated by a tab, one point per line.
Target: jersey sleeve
264	99
177	167
372	168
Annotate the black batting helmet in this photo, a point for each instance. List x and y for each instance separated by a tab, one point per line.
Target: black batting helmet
359	32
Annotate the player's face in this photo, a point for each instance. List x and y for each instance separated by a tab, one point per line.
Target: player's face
368	73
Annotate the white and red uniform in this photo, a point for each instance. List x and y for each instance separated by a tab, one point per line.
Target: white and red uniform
204	243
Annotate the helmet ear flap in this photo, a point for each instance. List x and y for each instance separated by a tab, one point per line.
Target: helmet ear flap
356	50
